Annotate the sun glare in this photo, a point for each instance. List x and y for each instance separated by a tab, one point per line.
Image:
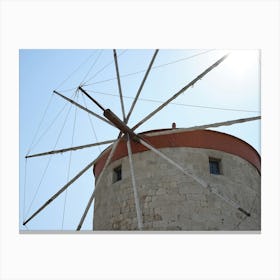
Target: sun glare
242	61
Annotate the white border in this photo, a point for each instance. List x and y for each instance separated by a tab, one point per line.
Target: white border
124	24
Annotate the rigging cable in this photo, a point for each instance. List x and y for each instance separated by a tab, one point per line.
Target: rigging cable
48	163
24	189
68	89
69	164
182	59
176	103
51	124
40	124
27	227
95	61
76	70
33	146
155	67
91	124
104	67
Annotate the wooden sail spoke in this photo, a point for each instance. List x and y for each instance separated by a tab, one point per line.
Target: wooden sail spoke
200	127
119	82
141	86
85	212
181	91
70	149
139	90
59	192
108	160
135	192
200	181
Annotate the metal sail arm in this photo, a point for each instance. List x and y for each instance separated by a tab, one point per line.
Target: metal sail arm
82	107
119	82
141	86
200	127
70	149
181	91
59	192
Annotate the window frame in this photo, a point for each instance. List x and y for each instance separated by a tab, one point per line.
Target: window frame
217	170
117	174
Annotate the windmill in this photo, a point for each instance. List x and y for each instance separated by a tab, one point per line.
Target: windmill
127	132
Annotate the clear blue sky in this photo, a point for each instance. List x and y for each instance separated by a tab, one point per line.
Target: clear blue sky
234	84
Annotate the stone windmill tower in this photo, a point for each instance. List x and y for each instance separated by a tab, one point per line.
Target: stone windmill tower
171	198
170	179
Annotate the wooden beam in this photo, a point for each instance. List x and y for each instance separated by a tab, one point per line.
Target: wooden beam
200	127
141	86
135	192
108	160
139	90
120	124
59	192
119	83
92	99
82	107
70	149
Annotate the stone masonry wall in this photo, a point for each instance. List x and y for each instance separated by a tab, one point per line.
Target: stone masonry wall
170	200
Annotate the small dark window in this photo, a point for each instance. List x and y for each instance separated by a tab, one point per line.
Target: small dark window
117	174
215	166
